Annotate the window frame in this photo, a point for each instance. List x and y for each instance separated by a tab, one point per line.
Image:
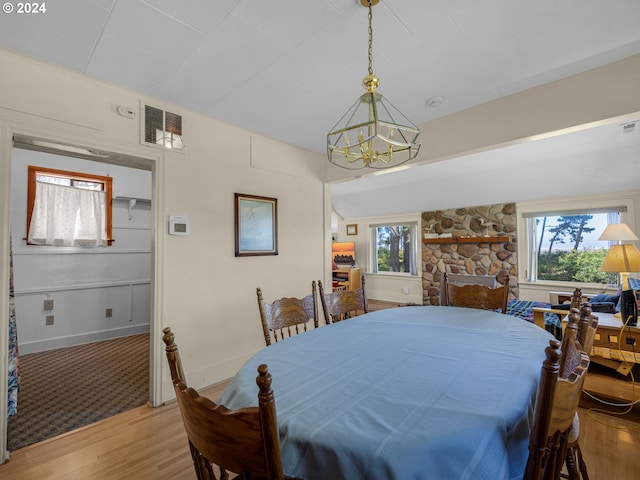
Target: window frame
527	249
107	187
416	248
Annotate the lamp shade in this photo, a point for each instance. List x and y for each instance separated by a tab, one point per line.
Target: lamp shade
621	258
620	232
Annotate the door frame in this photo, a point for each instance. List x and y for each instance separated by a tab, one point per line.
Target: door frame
129	156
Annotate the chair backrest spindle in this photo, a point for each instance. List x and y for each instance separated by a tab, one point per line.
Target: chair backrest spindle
561	381
476	296
343	304
243	441
287	316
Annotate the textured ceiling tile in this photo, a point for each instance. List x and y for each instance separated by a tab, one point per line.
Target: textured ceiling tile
202	15
20	36
152	32
283	21
215	70
117	63
256	98
202	53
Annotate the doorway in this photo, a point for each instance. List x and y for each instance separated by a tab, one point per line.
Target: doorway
76	297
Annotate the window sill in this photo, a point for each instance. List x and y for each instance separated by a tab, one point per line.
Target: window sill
393	274
567	286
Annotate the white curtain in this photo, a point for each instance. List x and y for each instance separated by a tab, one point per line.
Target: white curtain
68	216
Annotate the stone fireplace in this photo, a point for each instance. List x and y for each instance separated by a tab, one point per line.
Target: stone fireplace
474	241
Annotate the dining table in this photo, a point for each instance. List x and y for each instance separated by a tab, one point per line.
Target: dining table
416	392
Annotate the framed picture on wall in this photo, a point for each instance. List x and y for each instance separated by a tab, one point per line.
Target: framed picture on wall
352	229
256	225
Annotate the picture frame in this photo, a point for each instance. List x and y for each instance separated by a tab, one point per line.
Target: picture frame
256	225
352	229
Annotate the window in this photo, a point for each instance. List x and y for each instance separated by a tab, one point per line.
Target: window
395	248
564	246
68	208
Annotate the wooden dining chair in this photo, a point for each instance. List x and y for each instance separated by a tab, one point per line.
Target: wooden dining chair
561	381
561	311
587	327
244	441
574	460
343	304
287	316
476	296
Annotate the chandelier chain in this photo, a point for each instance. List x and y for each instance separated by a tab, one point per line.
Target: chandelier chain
370	41
373	133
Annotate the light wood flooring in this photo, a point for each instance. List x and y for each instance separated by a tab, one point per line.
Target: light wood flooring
150	443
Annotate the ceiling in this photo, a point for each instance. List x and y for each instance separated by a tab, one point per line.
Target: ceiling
289	69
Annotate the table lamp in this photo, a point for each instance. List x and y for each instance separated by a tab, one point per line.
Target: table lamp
621	258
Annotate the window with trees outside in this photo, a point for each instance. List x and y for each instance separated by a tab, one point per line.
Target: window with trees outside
395	248
564	246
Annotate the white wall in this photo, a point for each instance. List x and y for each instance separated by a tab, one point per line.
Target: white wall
82	282
390	287
199	287
382	287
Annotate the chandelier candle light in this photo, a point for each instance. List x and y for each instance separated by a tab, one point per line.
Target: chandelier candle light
373	133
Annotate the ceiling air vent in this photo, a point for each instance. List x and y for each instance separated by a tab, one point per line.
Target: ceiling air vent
161	128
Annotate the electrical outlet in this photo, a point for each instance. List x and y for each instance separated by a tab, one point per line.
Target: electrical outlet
48	304
48	320
109	312
630	341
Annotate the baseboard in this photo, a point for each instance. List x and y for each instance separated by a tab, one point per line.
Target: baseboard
387	296
80	339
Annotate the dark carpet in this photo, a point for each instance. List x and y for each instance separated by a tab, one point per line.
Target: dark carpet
67	388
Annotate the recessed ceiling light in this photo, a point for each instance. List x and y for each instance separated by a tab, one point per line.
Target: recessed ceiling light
435	101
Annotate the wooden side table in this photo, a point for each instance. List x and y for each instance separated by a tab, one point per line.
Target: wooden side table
538	315
562	297
351	282
613	347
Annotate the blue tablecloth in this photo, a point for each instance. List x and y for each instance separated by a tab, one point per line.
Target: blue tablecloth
406	393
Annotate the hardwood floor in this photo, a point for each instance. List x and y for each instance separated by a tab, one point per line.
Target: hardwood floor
143	443
150	443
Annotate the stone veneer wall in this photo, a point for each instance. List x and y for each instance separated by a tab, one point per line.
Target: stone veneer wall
481	258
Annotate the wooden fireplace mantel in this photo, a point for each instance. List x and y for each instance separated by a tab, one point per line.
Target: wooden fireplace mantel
500	239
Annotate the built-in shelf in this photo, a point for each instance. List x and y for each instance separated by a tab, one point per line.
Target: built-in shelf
141	201
501	239
132	201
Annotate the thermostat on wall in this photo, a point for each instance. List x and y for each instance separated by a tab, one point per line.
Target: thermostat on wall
179	225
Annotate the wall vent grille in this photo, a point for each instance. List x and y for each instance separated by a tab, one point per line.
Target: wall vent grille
161	128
